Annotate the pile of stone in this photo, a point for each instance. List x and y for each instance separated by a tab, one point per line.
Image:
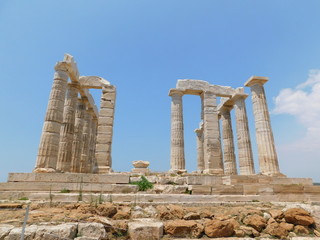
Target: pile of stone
111	221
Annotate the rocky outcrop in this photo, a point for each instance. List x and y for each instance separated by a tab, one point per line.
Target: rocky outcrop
255	221
112	221
217	228
183	228
298	216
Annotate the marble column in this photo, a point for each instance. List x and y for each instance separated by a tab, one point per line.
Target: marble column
105	129
77	137
92	144
200	156
268	159
177	160
211	135
84	159
245	156
67	129
229	158
49	142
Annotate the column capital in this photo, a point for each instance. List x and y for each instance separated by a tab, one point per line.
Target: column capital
224	109
175	92
238	96
253	80
199	131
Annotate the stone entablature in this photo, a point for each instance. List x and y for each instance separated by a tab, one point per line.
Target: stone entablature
212	158
76	137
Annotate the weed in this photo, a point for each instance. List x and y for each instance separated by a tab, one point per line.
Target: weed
101	198
143	184
50	196
80	196
188	191
65	191
23	198
171	183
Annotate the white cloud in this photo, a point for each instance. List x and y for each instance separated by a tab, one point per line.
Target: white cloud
303	102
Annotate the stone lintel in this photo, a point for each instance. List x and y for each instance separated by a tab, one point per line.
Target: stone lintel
196	87
256	80
69	65
174	91
94	82
224	108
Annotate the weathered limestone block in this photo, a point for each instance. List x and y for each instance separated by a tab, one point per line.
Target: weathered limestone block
298	216
69	178
105	129
140	164
218	228
29	234
49	142
266	148
140	167
91	230
62	231
177	160
245	156
204	180
200	189
183	228
5	230
142	229
211	135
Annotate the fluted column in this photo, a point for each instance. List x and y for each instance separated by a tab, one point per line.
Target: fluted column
92	144
228	144
49	142
211	135
84	160
200	156
105	129
177	160
67	129
268	159
245	156
77	137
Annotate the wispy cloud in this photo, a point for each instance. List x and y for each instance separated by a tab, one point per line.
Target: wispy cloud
303	102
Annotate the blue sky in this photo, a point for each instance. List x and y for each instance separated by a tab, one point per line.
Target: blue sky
142	47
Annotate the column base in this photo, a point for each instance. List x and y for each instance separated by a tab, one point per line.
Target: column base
272	174
177	171
44	170
102	170
213	171
140	170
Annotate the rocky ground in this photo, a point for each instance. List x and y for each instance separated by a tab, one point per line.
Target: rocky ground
84	221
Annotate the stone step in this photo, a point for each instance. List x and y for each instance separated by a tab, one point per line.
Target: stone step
134	198
111	178
74	187
260	179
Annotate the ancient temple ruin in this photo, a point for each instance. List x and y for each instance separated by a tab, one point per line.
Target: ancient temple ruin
212	159
76	137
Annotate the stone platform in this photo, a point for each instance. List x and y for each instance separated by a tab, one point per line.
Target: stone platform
188	188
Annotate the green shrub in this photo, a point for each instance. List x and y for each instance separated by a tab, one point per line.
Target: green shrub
65	191
143	184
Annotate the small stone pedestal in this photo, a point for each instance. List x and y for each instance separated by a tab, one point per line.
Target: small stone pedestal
140	167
